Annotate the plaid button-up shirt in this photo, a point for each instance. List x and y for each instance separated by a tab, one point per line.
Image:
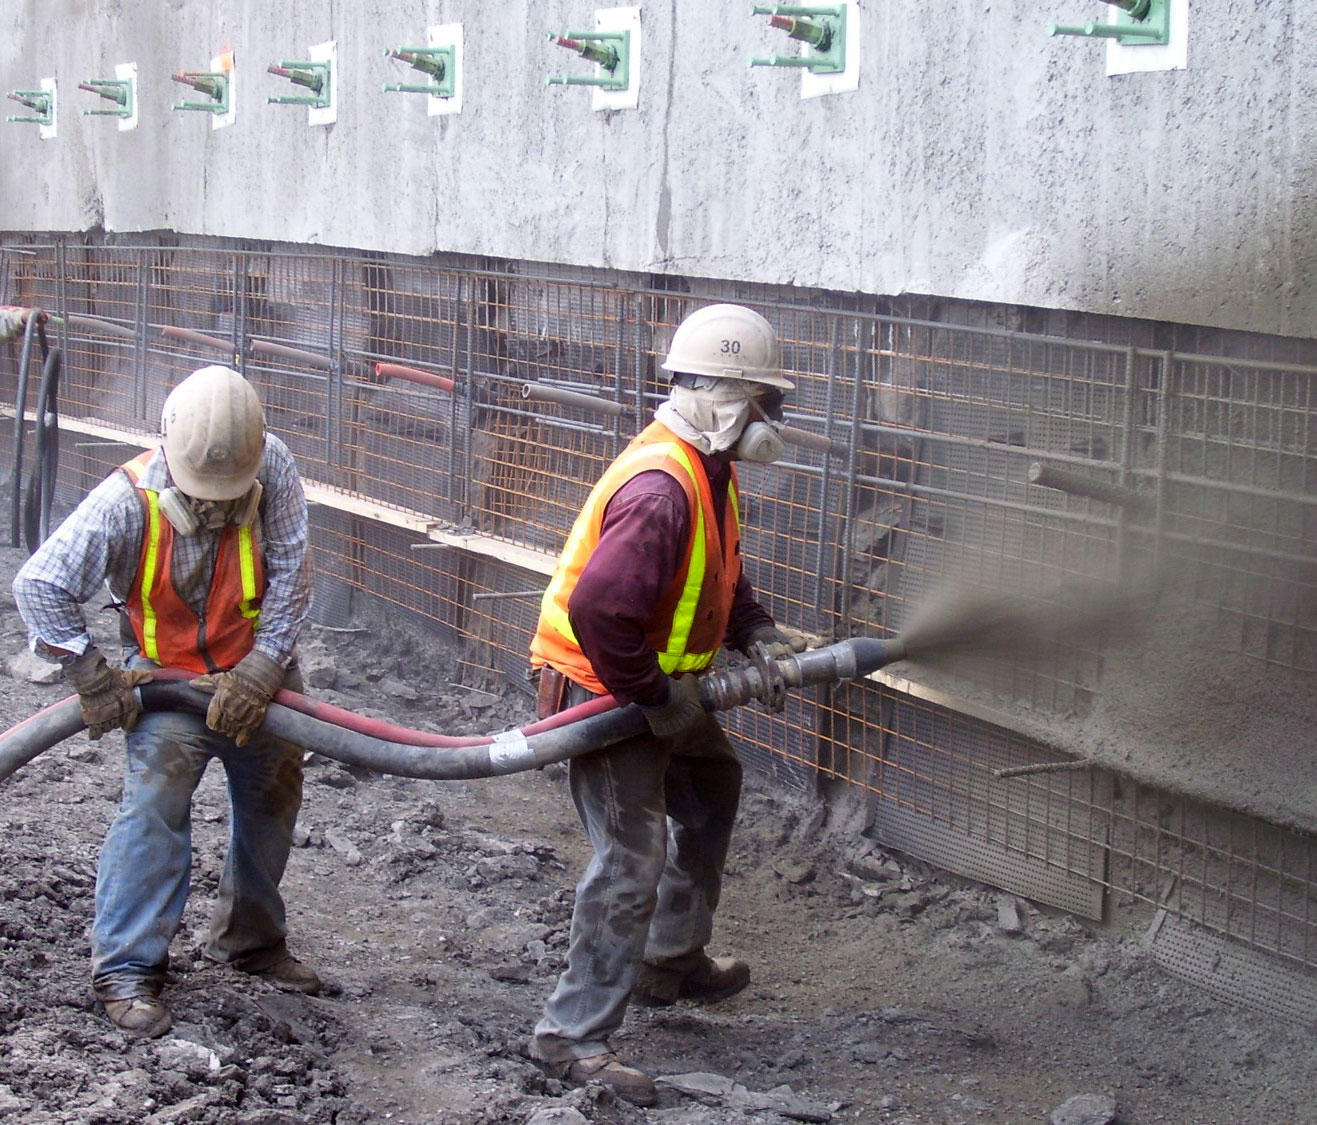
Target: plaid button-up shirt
101	543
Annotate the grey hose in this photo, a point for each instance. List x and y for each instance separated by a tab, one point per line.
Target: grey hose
508	752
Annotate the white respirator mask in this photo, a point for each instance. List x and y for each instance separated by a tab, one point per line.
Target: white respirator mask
760	442
721	415
187	515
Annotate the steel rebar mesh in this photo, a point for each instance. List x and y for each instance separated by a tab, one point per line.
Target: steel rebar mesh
935	425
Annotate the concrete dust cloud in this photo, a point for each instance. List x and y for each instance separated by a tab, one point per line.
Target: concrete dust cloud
959	620
1168	696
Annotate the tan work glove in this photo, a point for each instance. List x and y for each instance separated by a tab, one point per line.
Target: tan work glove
107	695
241	695
681	713
774	642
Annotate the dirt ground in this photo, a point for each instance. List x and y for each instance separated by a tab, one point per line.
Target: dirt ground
883	991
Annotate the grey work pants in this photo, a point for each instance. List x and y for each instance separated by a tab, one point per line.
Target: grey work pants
660	816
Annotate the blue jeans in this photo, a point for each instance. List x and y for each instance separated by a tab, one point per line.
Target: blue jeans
144	874
659	815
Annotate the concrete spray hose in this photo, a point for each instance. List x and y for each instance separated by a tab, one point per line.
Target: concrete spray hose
358	741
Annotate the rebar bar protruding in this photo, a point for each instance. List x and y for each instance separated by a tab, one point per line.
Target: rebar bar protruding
111	90
33	99
605	54
313	80
439	63
211	85
1094	30
817	35
821	28
40	101
428	63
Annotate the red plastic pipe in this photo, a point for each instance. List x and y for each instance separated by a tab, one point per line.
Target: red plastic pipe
414	375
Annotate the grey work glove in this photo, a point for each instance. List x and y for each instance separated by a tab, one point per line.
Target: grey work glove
773	642
241	695
108	695
681	713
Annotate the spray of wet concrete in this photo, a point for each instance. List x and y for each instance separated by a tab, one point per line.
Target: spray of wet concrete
1177	704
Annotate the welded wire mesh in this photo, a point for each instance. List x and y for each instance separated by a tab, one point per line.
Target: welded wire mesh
419	397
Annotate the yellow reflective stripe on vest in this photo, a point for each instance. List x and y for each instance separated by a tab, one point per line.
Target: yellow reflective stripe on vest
550	612
247	566
149	622
675	658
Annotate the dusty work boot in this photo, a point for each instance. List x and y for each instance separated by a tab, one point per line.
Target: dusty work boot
697	977
628	1083
143	1016
290	974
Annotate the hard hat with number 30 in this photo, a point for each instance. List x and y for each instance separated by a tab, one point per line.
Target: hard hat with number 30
727	342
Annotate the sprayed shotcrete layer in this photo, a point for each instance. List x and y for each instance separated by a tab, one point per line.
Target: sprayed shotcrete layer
1179	708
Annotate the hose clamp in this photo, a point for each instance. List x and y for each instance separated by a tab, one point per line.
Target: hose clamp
772	683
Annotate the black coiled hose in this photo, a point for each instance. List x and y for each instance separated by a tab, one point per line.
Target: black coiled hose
33	518
41	484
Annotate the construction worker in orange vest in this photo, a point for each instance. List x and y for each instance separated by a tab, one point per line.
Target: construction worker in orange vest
648	588
202	542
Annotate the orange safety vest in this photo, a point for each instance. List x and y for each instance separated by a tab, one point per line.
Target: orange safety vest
168	632
688	625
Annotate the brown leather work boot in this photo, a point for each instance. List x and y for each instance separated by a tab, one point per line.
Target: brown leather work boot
700	978
143	1016
628	1083
290	974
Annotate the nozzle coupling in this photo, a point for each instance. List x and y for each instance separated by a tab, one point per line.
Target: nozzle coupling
768	679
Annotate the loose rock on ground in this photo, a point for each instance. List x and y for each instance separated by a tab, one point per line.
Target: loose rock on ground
883	990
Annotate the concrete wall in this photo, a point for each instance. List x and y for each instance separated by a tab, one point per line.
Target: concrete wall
979	158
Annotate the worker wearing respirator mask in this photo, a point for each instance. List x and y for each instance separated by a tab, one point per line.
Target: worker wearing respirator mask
648	590
202	541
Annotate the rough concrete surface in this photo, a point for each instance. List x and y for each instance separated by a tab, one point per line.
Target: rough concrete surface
437	912
979	158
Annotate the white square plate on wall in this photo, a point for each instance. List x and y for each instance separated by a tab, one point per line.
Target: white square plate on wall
49	132
816	85
127	72
1136	59
620	19
223	63
446	35
325	53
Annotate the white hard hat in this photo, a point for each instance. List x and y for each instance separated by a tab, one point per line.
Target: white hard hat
727	342
214	431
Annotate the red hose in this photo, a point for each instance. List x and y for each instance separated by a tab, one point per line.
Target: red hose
407	736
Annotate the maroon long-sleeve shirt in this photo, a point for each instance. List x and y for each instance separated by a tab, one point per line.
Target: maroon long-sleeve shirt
642	542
